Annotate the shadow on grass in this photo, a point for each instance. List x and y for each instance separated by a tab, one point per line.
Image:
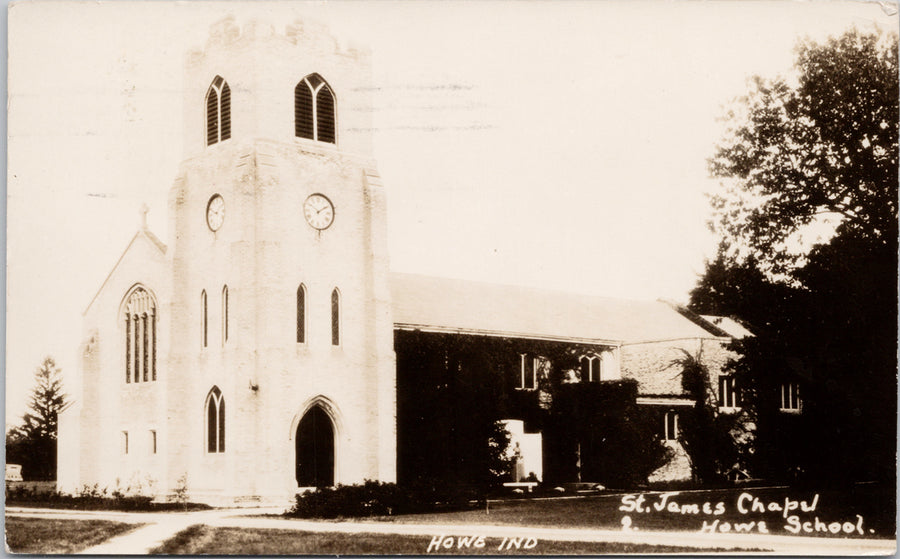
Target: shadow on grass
203	540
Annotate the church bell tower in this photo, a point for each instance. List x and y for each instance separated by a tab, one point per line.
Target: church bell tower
282	372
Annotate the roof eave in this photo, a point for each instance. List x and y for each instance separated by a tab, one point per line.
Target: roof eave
503	334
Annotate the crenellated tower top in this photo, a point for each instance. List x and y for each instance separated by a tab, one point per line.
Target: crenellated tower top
252	82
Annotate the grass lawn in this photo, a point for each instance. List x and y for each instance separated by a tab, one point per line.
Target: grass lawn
48	535
202	540
873	503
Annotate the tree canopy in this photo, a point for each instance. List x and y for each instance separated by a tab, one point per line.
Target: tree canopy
822	143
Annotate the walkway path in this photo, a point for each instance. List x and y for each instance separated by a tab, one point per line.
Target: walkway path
162	526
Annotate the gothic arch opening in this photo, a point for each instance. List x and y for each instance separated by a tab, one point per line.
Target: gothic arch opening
140	314
314	449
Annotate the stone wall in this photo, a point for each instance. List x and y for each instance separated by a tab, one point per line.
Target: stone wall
653	364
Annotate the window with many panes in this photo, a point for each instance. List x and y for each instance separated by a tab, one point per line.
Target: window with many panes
532	369
790	396
729	396
140	315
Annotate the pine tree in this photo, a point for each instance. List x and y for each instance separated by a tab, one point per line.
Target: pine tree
33	443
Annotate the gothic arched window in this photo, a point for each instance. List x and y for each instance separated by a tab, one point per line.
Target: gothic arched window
215	421
140	336
591	368
203	316
335	317
301	314
218	111
314	113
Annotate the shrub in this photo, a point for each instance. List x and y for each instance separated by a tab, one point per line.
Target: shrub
91	497
374	498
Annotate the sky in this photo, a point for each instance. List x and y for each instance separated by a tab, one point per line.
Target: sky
558	145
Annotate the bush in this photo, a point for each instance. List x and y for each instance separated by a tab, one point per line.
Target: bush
91	497
597	433
374	498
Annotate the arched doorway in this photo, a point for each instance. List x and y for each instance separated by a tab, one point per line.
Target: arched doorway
314	442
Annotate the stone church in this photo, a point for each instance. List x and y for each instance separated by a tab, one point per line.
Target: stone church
253	352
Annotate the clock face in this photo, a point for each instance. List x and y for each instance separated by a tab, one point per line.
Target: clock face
215	212
319	211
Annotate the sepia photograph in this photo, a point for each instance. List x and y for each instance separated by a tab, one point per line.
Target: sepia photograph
452	278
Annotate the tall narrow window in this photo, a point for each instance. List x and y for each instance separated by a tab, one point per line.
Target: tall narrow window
124	442
203	328
153	343
790	396
325	114
224	315
301	314
145	347
304	119
670	426
128	348
314	114
137	348
528	371
215	421
335	317
140	336
225	112
218	111
728	393
152	441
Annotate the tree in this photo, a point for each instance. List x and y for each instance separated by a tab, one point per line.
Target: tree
826	145
712	440
731	287
455	389
33	443
823	144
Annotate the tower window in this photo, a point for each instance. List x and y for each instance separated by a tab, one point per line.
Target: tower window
335	317
314	114
140	336
152	441
224	314
203	326
301	314
215	421
124	442
218	111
